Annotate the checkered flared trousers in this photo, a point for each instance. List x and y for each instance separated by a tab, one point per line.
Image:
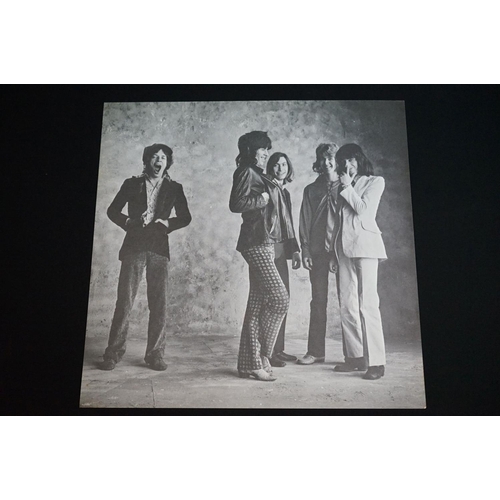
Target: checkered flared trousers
267	305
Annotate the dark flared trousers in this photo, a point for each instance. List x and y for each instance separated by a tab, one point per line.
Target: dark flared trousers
267	305
282	266
131	273
319	276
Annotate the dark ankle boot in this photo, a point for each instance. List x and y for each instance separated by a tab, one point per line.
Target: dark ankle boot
275	361
351	365
374	372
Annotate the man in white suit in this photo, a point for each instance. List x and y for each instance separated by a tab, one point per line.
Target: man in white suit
359	247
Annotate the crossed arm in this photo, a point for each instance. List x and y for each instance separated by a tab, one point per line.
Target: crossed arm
243	196
369	200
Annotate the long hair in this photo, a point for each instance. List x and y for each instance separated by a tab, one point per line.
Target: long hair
325	150
149	151
348	151
275	157
248	144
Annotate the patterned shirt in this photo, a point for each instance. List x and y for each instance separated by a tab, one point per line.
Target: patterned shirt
152	190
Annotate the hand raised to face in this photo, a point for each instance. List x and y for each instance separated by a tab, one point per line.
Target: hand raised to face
345	179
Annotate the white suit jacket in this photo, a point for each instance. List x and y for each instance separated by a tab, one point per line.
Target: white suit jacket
360	234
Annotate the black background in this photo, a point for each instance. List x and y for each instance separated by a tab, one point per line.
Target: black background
50	150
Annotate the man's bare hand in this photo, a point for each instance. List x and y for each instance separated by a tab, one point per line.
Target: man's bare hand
345	179
332	265
307	262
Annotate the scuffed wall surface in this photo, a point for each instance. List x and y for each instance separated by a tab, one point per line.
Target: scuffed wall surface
208	283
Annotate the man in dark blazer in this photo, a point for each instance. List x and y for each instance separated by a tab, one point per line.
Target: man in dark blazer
150	198
318	224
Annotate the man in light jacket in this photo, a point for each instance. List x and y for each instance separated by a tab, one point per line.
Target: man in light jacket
358	249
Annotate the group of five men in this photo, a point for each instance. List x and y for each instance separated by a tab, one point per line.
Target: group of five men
152	196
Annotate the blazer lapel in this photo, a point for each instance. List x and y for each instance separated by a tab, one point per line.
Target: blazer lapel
165	197
360	186
143	197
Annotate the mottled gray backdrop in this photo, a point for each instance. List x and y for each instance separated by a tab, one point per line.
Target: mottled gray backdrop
208	283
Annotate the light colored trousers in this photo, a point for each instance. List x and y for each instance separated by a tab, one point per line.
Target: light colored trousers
359	309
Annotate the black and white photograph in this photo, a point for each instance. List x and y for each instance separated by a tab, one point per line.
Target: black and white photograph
224	210
253	254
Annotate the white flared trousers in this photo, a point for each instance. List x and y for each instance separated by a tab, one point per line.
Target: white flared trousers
359	309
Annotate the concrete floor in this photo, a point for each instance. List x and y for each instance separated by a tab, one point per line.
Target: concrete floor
202	374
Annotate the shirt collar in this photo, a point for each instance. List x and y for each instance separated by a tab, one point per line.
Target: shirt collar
165	177
322	179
